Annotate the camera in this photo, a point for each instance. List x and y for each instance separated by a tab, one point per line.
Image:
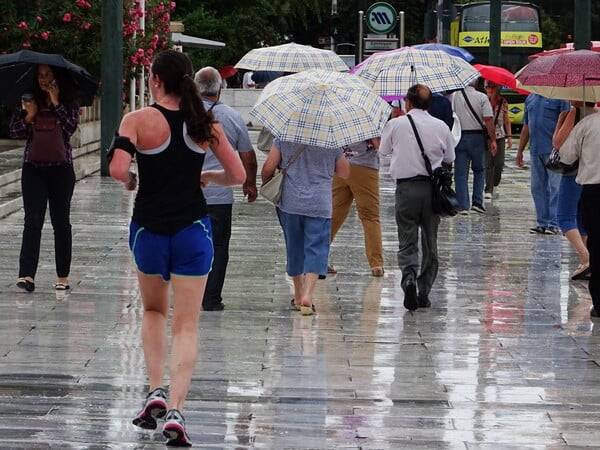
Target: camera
27	97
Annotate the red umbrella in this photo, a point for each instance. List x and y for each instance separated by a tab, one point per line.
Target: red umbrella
227	71
499	75
572	76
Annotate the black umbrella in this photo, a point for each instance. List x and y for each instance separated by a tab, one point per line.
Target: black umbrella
18	73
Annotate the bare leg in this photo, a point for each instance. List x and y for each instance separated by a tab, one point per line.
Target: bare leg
155	299
579	245
310	281
187	303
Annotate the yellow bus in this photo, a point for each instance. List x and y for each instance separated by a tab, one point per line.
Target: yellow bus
520	36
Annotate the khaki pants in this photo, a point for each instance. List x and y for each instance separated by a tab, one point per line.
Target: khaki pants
362	186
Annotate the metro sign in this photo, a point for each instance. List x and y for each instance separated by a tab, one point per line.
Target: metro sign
381	18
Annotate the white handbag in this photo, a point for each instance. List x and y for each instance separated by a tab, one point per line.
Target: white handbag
272	189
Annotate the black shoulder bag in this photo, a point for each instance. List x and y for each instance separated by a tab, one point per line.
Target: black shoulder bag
443	201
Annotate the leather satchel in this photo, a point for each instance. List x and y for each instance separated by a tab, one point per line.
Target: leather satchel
444	201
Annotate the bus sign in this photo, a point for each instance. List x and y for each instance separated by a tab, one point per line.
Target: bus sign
381	18
507	39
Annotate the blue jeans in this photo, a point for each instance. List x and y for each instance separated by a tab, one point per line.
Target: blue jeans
567	211
470	151
544	190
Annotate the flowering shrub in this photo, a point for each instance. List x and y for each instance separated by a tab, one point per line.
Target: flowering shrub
73	29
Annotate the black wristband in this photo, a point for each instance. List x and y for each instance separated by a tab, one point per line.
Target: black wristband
123	143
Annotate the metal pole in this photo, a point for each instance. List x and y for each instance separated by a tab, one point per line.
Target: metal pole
495	44
583	24
334	13
361	36
142	79
112	74
445	17
401	29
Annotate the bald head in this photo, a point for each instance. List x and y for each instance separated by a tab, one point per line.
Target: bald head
208	79
419	96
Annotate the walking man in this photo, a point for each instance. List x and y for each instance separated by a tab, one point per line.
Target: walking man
218	198
476	120
414	191
539	121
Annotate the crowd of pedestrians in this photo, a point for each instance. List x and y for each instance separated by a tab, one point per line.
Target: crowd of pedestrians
191	149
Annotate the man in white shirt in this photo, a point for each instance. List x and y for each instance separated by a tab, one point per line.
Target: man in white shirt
414	191
582	144
477	132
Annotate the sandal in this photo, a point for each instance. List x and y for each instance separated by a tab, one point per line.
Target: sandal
581	272
61	286
294	305
308	310
25	284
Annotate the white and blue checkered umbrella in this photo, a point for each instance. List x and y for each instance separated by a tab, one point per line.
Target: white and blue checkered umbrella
322	108
291	58
393	72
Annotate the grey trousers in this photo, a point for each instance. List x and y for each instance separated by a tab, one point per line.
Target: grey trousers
414	214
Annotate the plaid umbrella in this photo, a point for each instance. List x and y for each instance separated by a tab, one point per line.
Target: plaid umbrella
391	73
291	58
321	108
571	76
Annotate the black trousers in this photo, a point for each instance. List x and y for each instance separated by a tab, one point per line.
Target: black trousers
590	215
46	187
220	219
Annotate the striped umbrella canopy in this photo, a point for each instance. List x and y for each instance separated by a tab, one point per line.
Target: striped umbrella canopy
570	76
321	108
391	73
291	58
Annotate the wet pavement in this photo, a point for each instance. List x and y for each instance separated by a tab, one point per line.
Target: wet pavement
506	358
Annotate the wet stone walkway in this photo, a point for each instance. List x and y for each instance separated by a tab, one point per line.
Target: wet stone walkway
506	358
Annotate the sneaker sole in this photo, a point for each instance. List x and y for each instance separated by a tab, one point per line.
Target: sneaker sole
175	434
147	418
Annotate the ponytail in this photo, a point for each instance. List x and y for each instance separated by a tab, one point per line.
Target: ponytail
175	70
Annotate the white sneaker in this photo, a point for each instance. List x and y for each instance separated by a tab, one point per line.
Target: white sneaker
488	196
464	212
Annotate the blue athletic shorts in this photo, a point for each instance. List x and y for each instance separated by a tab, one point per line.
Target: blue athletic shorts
187	253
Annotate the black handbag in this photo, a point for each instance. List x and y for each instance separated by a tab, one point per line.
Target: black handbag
555	165
444	201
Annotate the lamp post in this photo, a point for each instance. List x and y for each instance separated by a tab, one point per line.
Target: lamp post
583	24
112	75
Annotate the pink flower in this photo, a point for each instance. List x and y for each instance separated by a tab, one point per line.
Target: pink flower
26	44
23	25
87	26
45	35
172	6
66	17
38	18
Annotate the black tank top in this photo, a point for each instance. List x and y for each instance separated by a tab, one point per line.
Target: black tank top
169	196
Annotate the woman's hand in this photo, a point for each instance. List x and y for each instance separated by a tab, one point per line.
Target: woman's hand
31	109
53	92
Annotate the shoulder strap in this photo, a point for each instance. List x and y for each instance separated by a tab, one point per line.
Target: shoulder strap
473	111
294	156
427	162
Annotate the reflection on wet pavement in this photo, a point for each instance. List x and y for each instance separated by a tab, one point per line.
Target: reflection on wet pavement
505	358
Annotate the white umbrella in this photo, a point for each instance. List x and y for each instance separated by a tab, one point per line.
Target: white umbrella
321	108
393	72
291	58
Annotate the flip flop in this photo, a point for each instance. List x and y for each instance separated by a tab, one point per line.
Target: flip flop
61	286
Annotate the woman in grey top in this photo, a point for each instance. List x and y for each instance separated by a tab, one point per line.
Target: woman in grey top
304	212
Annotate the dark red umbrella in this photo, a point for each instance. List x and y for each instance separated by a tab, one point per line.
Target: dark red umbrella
499	75
571	76
595	47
